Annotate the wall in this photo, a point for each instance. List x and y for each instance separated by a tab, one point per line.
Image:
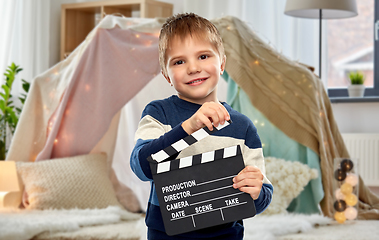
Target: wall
350	117
357	117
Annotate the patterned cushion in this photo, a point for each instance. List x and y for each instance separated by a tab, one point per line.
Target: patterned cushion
72	182
288	179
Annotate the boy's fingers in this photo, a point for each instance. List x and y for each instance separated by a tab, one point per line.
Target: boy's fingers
226	113
221	115
248	183
250	169
249	172
205	120
253	191
216	112
215	118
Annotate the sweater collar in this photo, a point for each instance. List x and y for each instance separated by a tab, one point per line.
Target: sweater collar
188	105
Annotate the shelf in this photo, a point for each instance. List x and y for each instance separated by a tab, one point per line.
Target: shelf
78	19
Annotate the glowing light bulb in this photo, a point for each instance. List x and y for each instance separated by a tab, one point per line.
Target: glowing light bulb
339	195
351	199
351	213
340	217
346	188
352	179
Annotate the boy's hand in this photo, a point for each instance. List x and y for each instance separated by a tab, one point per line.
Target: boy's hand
249	180
208	113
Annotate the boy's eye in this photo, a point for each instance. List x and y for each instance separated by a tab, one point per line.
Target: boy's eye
178	62
203	57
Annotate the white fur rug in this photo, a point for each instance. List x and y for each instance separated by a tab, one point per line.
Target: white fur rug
269	227
24	224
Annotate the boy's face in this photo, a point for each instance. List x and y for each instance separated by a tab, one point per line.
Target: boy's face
194	68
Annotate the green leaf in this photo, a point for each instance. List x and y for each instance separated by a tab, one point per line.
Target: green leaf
18	110
12	118
25	85
22	99
6	90
2	105
8	74
10	113
356	77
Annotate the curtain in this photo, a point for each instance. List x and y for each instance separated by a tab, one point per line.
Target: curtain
24	38
296	38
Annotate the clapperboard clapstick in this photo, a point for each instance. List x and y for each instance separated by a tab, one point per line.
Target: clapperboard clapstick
196	192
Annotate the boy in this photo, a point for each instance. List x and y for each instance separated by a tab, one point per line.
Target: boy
192	59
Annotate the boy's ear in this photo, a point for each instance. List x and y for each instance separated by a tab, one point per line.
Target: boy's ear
167	78
223	62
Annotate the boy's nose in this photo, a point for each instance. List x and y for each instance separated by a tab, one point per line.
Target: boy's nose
193	67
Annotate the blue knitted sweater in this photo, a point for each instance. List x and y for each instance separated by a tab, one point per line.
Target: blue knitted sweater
160	126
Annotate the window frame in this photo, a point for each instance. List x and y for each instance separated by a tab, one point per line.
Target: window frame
370	91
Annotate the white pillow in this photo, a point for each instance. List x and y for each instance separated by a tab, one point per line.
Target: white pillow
73	182
289	179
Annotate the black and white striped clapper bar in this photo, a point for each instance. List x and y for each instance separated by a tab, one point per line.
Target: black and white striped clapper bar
196	192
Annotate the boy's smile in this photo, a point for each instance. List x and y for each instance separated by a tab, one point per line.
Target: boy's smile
194	68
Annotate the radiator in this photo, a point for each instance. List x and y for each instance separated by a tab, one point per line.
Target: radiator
365	147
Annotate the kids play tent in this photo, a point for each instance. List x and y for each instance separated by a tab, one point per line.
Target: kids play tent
91	102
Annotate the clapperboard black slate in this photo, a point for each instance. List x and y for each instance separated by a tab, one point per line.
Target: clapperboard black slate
196	192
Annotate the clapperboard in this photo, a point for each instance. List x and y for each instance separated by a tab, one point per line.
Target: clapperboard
196	192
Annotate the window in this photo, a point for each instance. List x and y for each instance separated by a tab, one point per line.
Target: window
351	47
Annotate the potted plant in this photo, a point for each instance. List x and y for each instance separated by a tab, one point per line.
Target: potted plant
9	113
356	88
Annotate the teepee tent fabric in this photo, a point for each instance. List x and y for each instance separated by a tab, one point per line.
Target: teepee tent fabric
277	144
116	65
293	99
74	107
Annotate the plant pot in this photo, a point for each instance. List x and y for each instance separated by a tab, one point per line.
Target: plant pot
357	90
